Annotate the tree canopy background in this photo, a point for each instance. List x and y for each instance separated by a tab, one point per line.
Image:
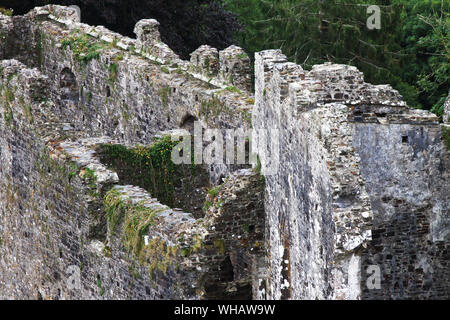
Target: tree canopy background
410	51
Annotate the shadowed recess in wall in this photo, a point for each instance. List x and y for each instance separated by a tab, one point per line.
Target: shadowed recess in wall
151	168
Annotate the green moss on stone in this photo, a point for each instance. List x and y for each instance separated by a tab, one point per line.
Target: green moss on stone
446	136
6	12
213	107
84	47
136	221
164	94
165	69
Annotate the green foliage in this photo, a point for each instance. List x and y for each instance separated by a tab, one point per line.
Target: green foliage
8	116
446	136
233	89
211	198
100	286
213	107
9	95
213	192
219	244
208	204
84	47
242	56
164	94
112	72
115	209
136	225
91	181
165	69
149	167
410	51
257	169
113	68
426	40
6	12
196	245
28	113
137	220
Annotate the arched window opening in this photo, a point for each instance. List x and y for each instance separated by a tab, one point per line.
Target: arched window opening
68	85
188	123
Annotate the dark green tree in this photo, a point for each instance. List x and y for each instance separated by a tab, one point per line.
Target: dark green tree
410	51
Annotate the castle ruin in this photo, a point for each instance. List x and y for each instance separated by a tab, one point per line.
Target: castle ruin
360	186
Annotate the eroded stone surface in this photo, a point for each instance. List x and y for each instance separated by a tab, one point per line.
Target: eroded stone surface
360	182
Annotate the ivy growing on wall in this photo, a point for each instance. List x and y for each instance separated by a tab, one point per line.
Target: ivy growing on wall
148	167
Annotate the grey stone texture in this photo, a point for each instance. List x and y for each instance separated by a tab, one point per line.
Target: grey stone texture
361	180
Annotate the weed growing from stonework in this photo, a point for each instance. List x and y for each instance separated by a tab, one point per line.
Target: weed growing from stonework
212	198
112	68
137	219
149	167
257	169
100	286
91	179
233	89
213	192
446	136
165	69
84	47
242	56
8	116
213	107
6	12
112	72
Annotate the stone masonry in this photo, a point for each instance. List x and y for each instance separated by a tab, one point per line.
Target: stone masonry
360	180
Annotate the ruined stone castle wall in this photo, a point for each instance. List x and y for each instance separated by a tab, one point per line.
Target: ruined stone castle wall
54	215
344	146
360	180
132	88
48	212
316	196
127	92
410	233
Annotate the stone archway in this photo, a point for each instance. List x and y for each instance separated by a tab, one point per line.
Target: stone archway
68	86
187	123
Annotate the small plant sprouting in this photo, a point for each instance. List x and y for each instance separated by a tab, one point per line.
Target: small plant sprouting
91	179
165	69
84	47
